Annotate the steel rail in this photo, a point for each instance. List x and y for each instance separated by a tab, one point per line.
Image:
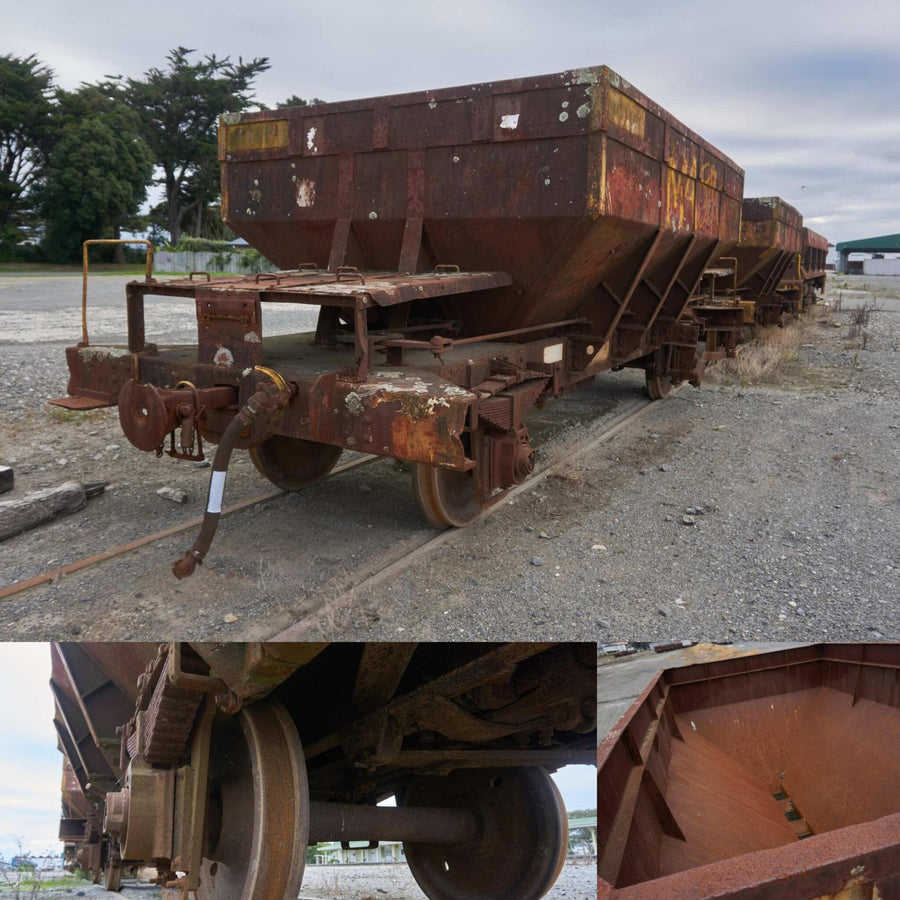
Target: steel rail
407	557
96	558
390	570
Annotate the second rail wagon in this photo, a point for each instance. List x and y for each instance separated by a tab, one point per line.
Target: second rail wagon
468	252
768	258
812	264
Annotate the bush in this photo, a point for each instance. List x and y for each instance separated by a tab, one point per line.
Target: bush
20	253
204	245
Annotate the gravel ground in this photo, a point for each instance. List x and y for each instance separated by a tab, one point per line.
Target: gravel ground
794	486
577	881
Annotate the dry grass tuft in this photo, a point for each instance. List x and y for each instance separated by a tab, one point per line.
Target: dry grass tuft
766	358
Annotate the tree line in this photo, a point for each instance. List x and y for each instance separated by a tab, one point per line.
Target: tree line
77	164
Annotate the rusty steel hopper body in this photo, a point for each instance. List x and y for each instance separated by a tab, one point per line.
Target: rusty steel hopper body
768	258
469	251
773	776
577	185
814	252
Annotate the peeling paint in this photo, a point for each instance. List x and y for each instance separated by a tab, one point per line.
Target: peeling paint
510	121
306	193
223	357
436	401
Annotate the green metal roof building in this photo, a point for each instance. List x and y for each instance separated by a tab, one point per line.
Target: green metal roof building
886	243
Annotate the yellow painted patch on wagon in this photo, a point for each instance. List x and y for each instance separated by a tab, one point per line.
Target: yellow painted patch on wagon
265	135
627	114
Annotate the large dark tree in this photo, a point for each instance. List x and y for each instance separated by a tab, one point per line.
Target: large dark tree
179	108
294	100
97	175
26	86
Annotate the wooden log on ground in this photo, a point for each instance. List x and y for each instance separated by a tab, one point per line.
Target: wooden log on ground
17	516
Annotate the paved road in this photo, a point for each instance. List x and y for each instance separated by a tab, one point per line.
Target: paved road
621	681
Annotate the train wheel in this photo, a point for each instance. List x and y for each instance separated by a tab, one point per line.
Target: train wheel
445	496
521	844
112	876
258	814
658	386
292	463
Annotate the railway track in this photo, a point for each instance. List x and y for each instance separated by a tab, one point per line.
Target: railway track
429	544
390	563
120	549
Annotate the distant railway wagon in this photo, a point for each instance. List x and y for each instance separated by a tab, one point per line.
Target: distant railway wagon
220	764
815	250
469	252
770	275
773	776
768	258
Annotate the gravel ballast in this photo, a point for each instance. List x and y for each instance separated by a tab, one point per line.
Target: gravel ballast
577	881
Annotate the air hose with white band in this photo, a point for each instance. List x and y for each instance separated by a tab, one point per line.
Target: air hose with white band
267	399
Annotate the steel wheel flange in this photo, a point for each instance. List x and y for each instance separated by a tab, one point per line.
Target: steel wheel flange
658	386
521	843
112	876
293	463
258	814
445	496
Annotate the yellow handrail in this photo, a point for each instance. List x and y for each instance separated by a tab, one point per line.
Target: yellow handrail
84	274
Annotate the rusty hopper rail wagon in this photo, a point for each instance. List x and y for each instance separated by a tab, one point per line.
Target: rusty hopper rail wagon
470	252
768	258
773	776
812	264
219	764
771	274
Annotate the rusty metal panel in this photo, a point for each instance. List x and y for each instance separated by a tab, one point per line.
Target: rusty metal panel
229	327
268	135
505	174
723	774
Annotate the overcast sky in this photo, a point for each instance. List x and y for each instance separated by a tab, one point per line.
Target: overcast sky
800	93
31	765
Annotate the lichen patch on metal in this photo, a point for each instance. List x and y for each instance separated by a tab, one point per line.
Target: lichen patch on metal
98	352
306	193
